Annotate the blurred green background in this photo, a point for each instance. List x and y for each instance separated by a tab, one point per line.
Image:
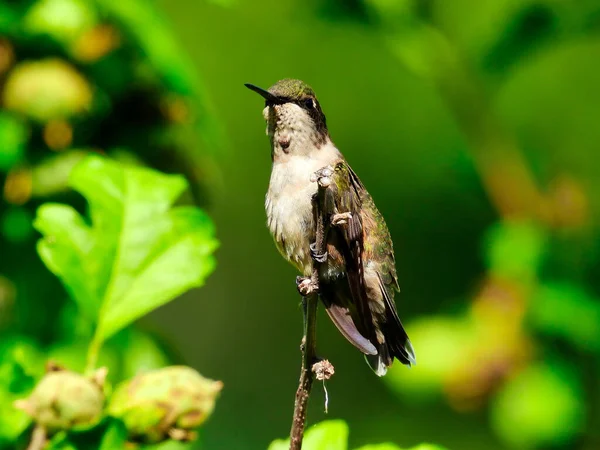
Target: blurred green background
474	125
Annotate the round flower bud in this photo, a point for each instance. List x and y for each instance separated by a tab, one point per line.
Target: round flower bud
65	400
165	403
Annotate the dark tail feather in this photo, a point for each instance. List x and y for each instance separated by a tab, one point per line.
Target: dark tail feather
396	345
381	361
399	345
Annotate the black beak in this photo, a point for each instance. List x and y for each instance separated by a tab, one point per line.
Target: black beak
265	94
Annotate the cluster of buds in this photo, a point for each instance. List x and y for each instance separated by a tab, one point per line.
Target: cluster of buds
168	403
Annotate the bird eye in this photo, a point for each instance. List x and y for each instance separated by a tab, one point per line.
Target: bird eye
310	103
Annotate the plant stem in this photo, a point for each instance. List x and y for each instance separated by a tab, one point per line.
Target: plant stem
38	438
93	351
309	340
308	346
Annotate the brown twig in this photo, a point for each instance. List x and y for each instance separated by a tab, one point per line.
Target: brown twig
309	340
38	438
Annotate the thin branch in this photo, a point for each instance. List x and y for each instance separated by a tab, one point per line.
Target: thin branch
38	438
308	346
309	340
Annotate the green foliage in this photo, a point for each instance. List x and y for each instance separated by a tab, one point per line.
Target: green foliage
328	435
21	363
114	437
65	21
16	224
443	344
443	96
385	446
541	406
395	447
514	250
566	311
47	89
13	135
81	77
333	435
138	253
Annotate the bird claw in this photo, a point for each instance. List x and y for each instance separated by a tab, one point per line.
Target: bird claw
319	257
322	176
306	286
341	218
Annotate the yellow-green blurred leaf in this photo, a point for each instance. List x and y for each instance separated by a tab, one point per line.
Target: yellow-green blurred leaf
114	437
386	446
565	310
327	435
63	20
21	363
514	250
442	344
47	89
541	406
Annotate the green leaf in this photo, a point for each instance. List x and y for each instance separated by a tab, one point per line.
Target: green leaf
327	435
114	437
279	444
60	441
138	253
444	344
566	311
389	446
13	421
514	250
63	20
16	224
21	363
171	445
13	139
139	353
541	407
385	446
145	23
427	447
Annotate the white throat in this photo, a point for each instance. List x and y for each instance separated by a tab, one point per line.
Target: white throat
291	131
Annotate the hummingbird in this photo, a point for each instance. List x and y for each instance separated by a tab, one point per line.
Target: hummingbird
357	274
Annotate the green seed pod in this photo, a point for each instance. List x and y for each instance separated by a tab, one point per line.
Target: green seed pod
169	402
65	400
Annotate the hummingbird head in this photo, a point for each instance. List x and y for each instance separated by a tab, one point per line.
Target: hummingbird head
295	122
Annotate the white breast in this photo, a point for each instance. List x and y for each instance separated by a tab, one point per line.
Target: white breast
289	208
289	203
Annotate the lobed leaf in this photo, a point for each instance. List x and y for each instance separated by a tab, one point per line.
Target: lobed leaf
137	254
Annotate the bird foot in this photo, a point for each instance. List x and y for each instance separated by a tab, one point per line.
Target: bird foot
341	218
306	286
319	257
323	176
